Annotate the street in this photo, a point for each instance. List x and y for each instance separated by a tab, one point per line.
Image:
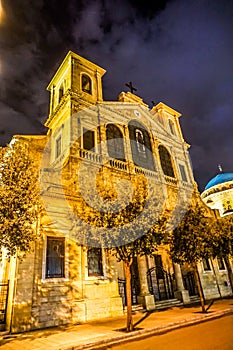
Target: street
212	335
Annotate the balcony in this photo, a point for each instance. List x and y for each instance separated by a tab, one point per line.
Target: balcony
119	164
92	156
144	171
122	165
170	180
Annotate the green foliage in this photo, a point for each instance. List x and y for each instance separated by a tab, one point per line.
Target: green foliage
146	244
191	240
223	236
19	199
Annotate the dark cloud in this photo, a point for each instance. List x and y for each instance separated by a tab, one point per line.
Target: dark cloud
13	122
178	52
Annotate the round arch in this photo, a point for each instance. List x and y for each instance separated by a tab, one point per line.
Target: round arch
166	162
141	145
115	143
86	83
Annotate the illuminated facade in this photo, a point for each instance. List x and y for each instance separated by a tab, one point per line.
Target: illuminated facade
218	193
63	280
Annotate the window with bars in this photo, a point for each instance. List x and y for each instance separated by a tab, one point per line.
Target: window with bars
55	257
165	160
95	262
115	142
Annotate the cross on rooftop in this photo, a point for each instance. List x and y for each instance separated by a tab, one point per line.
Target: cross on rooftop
220	168
130	86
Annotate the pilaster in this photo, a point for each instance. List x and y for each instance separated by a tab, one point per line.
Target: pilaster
181	293
145	298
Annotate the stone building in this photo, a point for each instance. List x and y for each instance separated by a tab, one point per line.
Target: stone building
102	158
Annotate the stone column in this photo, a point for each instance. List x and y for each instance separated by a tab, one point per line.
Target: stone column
181	293
103	141
128	151
145	298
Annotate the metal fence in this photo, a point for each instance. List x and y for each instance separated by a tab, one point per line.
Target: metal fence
160	283
189	283
122	291
4	286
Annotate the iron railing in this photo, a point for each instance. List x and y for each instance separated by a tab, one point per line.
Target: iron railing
4	287
160	283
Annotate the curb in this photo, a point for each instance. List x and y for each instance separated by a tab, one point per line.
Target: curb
144	333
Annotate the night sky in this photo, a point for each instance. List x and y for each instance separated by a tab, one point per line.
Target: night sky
177	52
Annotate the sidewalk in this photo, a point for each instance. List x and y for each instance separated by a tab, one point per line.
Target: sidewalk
96	335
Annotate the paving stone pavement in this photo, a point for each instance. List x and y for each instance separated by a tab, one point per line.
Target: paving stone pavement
99	334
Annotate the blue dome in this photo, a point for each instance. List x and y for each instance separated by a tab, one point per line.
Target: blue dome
219	179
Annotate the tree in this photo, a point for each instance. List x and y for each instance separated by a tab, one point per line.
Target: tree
124	219
190	242
134	230
223	242
19	198
144	245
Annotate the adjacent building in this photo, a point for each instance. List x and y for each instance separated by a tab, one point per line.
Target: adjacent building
218	193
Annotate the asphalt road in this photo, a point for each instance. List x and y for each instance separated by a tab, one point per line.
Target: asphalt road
212	335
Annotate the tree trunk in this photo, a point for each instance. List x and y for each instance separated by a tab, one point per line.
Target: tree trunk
199	286
216	279
229	270
129	324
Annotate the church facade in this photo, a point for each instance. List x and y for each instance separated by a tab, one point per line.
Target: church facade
99	160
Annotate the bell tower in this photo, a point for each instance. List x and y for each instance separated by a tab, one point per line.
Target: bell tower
76	84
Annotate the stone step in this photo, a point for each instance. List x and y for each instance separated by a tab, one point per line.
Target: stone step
3	333
194	299
159	305
164	304
135	308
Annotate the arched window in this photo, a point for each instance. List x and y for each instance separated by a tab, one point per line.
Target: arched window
165	160
140	145
61	93
172	127
115	142
86	84
140	140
